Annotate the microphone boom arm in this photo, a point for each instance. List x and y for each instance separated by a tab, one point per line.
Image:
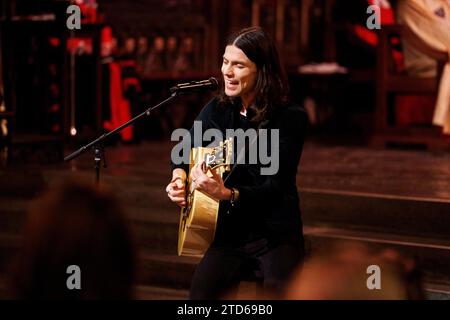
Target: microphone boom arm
97	144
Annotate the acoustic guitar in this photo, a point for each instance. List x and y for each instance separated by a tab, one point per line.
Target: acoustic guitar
198	219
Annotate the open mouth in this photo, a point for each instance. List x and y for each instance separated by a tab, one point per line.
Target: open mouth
231	84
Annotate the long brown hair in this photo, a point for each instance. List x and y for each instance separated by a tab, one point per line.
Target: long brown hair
271	87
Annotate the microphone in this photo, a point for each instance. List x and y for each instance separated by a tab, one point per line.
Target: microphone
210	84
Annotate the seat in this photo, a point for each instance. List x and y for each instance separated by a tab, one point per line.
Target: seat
390	83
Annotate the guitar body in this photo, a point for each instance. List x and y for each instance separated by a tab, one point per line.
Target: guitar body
198	220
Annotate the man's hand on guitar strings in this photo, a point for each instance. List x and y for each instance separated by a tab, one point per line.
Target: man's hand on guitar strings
213	186
176	191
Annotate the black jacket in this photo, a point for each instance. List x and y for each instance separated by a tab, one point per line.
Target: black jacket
268	206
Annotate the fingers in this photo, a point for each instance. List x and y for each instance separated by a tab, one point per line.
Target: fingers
179	184
203	166
204	182
176	192
178	200
198	172
169	188
215	175
176	185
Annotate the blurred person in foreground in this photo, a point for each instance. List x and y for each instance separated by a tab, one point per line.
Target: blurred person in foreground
346	272
74	224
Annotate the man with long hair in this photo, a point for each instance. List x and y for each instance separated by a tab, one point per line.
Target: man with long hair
259	229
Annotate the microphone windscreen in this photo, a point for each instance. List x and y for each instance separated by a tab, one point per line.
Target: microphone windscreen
214	83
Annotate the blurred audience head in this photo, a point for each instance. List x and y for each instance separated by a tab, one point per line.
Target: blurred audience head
142	45
352	272
74	224
159	44
172	43
130	45
107	43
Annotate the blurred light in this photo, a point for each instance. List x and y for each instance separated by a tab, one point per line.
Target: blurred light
73	131
4	127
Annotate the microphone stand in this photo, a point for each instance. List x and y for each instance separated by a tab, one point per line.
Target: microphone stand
97	144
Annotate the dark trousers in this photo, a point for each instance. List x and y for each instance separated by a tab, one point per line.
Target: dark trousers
222	268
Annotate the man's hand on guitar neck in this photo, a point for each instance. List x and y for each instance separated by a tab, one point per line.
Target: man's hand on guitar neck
213	186
176	188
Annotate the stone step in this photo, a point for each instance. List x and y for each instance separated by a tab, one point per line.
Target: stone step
160	269
21	183
166	270
141	292
436	291
169	270
12	214
9	246
144	198
174	273
406	223
362	211
156	231
402	215
160	293
433	255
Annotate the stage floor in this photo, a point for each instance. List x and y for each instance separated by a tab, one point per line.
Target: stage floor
402	173
388	198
